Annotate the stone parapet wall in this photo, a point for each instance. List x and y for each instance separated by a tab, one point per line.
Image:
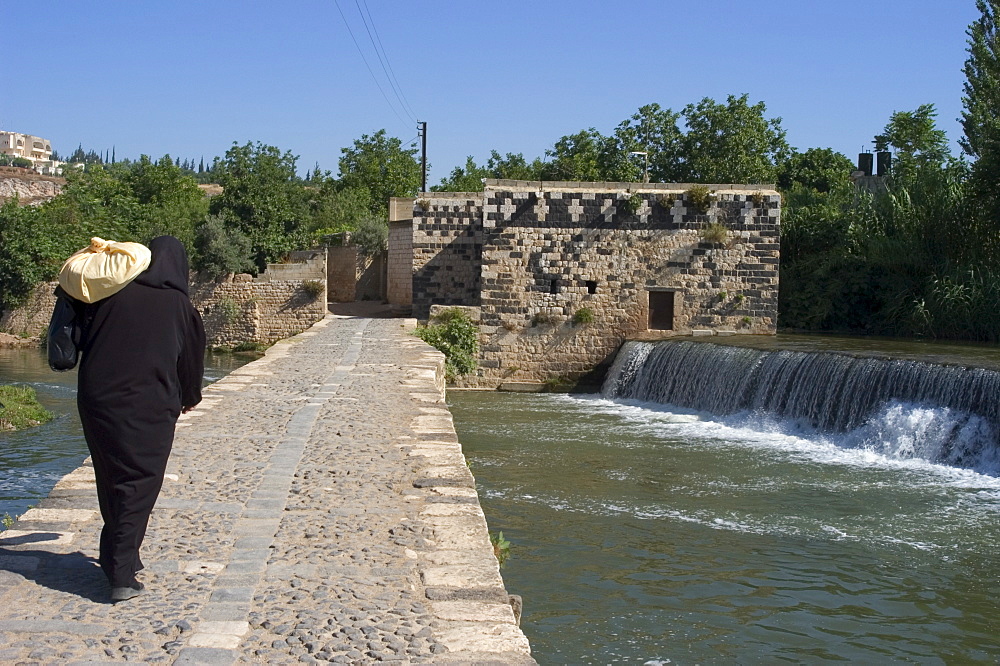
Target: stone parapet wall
277	304
31	319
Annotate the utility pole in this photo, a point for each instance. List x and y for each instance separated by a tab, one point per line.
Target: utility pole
422	130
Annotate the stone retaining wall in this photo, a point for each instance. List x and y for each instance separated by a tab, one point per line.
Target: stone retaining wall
237	308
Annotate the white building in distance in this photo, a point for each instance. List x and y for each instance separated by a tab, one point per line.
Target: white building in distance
33	148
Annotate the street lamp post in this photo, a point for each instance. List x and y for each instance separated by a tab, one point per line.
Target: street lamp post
645	168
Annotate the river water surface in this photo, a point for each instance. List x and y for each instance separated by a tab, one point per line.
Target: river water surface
645	533
32	461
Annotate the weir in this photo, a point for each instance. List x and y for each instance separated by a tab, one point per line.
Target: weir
901	408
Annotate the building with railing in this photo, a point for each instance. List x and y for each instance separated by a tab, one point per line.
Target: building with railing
32	148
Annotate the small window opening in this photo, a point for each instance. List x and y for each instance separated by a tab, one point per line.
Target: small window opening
591	287
554	287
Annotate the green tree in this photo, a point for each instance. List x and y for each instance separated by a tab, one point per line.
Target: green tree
915	138
221	248
512	166
371	234
819	169
336	209
652	130
172	202
379	164
981	100
263	198
731	143
581	156
980	120
464	179
28	255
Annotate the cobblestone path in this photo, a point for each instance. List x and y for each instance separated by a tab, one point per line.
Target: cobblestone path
317	508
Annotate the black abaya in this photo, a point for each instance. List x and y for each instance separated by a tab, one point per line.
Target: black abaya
142	363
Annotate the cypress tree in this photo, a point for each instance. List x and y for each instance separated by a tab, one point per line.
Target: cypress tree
980	121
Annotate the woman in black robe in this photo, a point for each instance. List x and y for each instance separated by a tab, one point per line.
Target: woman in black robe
141	367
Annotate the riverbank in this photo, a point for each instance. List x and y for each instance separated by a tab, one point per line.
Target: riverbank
14	341
317	507
20	409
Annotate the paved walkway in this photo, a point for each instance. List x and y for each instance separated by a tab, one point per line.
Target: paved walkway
317	508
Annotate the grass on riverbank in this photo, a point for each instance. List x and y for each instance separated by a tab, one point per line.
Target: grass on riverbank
19	408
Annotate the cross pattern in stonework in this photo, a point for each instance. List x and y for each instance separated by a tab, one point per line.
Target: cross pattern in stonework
575	210
608	208
541	208
507	209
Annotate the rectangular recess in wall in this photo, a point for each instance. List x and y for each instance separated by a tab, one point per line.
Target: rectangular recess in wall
661	310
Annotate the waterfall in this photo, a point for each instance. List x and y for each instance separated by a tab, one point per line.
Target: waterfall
900	408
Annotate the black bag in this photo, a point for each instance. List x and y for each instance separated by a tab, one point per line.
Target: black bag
63	339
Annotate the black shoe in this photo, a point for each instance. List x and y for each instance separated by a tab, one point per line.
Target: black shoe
123	593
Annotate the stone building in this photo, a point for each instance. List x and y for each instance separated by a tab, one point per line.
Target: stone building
557	275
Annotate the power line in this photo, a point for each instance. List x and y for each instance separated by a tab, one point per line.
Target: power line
374	78
390	74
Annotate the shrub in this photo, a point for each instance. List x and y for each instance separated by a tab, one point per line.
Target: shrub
229	309
630	205
314	288
699	197
221	249
455	336
250	347
714	232
583	316
501	547
371	235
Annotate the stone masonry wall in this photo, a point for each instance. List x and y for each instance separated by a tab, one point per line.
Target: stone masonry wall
275	305
32	318
342	273
236	309
399	273
568	272
447	250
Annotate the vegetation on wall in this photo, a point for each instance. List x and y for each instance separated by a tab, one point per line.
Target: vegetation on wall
453	334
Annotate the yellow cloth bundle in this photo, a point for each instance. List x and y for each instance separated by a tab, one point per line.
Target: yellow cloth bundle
102	269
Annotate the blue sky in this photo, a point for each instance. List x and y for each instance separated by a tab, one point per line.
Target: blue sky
190	77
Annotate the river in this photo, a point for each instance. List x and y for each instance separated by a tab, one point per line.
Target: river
648	533
645	533
33	460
